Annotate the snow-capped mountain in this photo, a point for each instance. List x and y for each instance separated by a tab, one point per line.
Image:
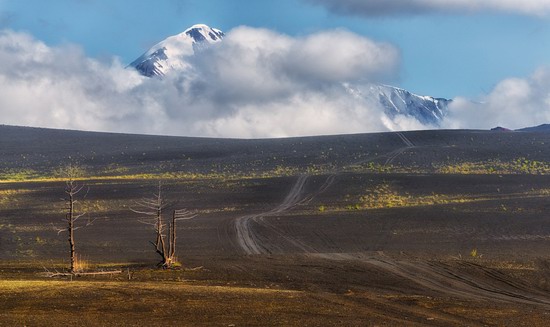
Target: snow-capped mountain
395	101
172	54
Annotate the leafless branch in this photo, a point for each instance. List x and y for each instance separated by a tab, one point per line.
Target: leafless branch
147	223
58	230
143	212
184	214
76	217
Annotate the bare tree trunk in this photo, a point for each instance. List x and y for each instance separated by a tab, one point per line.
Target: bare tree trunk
70	220
160	244
173	236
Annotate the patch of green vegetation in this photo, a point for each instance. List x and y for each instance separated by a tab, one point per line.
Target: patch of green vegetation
386	195
376	168
516	166
18	175
319	169
352	207
39	240
282	171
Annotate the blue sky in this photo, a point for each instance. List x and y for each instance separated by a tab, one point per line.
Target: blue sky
443	54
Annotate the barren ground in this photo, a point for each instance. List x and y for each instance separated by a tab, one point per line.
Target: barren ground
346	230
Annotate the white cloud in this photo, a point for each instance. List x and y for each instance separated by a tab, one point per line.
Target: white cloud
257	83
513	103
372	8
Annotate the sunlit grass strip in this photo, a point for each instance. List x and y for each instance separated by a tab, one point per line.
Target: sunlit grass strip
378	168
383	196
164	176
516	166
57	286
279	171
490	167
159	176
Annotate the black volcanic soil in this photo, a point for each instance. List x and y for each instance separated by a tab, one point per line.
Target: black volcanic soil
281	249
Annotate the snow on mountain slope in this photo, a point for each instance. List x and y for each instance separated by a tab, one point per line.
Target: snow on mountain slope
173	53
395	101
170	54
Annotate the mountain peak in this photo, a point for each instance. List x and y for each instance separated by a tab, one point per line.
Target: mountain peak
200	26
170	53
202	32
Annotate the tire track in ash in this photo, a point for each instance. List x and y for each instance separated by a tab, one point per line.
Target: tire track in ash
444	279
441	278
405	140
396	153
433	276
249	241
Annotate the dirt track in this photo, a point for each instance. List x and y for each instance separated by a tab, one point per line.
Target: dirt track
247	238
434	276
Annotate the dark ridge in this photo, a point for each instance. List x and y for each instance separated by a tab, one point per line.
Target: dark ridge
541	128
42	149
501	129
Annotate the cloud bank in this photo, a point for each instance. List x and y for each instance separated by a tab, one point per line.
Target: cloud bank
373	8
257	83
513	103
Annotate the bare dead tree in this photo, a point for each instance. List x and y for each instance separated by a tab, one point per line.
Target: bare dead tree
152	210
72	190
177	215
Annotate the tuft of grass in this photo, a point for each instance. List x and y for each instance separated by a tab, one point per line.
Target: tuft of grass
81	265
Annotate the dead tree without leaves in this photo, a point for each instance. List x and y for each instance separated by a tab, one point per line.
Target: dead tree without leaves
152	209
177	215
73	189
